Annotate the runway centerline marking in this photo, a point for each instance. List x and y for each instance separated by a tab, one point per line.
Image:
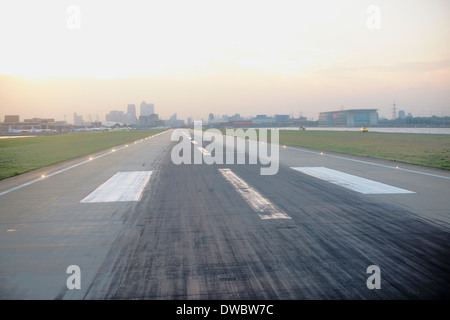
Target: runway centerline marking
264	208
355	183
122	186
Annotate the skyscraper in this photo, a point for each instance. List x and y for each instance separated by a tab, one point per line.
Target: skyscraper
77	120
147	108
131	115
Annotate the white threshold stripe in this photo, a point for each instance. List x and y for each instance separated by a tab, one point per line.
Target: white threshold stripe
368	162
264	208
73	166
122	186
355	183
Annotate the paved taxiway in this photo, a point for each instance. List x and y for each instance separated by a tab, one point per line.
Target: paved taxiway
194	234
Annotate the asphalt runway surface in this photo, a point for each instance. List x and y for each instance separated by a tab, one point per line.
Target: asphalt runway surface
139	226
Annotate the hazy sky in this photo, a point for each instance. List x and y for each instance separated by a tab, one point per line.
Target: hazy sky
250	57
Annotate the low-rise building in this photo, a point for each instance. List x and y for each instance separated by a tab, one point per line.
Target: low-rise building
349	118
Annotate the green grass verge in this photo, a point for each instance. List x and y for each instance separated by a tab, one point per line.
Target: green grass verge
21	155
426	150
421	149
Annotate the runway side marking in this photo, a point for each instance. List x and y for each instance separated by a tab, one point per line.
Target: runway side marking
355	183
70	167
264	208
369	163
122	186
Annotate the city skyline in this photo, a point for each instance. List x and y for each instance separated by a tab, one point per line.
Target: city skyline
257	57
122	116
130	118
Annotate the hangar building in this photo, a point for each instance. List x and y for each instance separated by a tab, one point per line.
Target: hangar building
349	118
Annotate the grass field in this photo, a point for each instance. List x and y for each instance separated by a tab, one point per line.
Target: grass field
25	154
421	149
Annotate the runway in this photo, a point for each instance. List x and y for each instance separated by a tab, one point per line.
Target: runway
139	226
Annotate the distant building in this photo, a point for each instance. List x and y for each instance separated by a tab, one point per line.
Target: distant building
177	123
39	120
77	120
401	114
235	117
149	121
116	116
349	118
147	108
174	122
262	119
12	119
131	115
282	117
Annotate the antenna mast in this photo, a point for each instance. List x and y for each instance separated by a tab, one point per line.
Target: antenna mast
394	112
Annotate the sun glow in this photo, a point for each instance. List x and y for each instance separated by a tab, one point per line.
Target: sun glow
262	54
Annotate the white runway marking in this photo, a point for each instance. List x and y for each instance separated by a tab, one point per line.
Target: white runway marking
264	208
355	183
71	167
122	186
369	163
